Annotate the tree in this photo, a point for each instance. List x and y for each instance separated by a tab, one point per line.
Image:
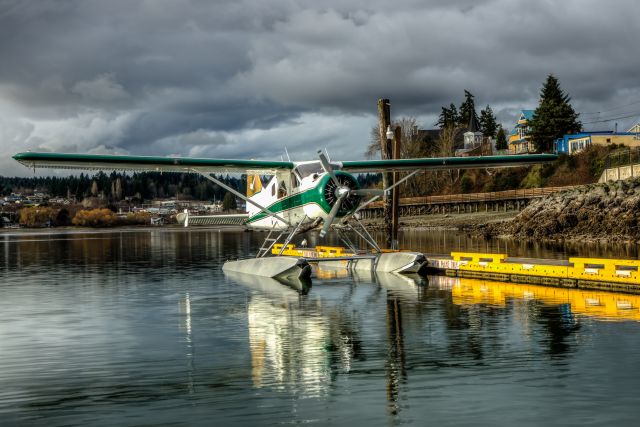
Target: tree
229	202
448	137
37	216
117	191
95	218
554	117
467	108
501	139
448	117
413	145
488	123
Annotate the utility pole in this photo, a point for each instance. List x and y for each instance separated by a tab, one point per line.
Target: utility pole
384	122
395	195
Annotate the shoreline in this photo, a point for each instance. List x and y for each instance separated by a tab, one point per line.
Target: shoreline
70	230
457	222
487	225
484	224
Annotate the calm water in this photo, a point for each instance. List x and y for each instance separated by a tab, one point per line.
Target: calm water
143	328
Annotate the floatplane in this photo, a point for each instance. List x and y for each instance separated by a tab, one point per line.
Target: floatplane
298	197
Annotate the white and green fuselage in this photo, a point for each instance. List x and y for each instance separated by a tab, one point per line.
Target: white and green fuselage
302	195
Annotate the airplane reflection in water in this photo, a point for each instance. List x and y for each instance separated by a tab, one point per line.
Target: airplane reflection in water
301	343
301	338
297	342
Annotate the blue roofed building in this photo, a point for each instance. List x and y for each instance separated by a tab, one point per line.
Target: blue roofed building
574	143
519	138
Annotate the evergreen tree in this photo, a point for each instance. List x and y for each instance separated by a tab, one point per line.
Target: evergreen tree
488	123
448	117
229	202
467	108
501	139
554	116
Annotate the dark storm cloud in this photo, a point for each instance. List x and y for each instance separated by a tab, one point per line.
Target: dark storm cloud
245	79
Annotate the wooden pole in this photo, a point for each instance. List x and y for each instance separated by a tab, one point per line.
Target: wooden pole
384	121
395	195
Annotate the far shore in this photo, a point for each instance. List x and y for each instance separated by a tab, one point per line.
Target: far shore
23	231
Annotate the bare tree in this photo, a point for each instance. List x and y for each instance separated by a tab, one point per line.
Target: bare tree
446	148
412	145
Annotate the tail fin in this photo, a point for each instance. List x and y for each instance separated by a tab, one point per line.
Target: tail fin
254	185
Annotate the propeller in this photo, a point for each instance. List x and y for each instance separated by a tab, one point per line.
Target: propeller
341	191
328	169
333	213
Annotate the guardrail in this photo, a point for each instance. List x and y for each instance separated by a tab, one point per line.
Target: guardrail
494	196
623	157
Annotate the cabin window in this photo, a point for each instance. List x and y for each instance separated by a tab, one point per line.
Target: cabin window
282	191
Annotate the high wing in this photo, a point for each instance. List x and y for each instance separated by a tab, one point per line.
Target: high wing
148	163
438	163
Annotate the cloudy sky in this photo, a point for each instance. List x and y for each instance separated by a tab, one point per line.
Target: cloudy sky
247	78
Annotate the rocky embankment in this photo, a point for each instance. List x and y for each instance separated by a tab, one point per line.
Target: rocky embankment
608	211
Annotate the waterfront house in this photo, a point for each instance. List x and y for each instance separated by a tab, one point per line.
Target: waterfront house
519	138
574	143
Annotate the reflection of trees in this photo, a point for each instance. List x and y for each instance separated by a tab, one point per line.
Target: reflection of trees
101	250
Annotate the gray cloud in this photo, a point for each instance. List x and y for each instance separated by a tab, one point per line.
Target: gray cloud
245	79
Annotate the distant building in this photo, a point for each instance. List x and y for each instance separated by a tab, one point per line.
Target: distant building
573	144
474	143
520	138
635	128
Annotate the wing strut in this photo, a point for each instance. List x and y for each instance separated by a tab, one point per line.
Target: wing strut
242	196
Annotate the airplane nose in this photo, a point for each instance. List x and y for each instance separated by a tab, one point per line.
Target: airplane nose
341	191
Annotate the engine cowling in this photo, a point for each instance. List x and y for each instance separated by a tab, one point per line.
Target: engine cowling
330	194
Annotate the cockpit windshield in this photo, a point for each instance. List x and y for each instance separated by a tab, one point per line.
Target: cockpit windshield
307	169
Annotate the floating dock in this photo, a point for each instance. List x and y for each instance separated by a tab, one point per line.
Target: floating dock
586	273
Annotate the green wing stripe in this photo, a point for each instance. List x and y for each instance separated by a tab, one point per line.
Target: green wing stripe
447	163
150	163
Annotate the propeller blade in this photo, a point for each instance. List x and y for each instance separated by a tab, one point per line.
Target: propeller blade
332	214
327	168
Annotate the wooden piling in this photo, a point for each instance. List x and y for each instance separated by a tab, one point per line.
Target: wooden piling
386	152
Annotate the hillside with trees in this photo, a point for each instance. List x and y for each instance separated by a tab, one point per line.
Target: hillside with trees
118	186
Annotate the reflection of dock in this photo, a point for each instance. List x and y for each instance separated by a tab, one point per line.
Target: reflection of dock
585	273
599	304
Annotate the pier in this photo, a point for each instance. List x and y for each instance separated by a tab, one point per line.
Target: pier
510	200
585	273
